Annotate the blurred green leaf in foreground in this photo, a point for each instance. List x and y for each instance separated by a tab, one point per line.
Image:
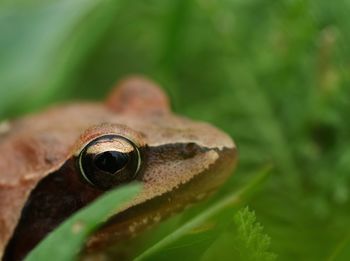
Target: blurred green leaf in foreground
67	240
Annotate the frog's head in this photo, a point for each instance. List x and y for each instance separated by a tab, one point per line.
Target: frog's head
178	160
134	137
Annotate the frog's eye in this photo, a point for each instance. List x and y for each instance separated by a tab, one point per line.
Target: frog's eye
109	161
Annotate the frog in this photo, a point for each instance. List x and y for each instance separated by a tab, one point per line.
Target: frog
55	162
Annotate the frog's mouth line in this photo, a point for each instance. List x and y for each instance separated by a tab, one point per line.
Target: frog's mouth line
137	218
45	210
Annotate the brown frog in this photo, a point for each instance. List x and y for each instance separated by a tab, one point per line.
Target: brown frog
56	162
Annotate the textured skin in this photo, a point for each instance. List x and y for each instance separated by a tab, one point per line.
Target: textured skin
37	145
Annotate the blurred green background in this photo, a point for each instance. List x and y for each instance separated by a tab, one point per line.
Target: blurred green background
273	74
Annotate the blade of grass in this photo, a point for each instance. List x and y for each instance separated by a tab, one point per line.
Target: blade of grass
229	201
65	242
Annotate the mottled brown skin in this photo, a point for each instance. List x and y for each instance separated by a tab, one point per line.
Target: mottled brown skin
182	162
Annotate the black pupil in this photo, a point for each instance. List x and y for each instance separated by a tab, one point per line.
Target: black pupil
111	161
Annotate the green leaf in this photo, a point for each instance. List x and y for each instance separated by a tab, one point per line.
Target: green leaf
65	242
252	243
242	240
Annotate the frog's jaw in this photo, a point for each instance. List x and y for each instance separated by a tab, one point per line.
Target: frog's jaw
132	221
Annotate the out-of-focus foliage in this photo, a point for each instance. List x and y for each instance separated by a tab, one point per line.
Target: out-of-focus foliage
273	74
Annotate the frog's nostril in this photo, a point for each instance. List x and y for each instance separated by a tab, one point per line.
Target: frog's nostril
190	150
